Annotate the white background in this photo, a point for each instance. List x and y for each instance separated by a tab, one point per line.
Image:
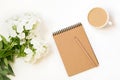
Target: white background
57	14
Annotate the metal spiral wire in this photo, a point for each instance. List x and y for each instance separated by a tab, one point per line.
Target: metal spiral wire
67	28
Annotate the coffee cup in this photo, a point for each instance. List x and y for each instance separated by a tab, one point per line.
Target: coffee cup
98	17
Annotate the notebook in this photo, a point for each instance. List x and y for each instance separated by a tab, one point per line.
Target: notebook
75	50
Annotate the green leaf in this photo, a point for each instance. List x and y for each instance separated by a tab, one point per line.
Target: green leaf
1	77
14	27
22	49
10	58
10	70
1	44
6	78
2	51
32	48
27	32
8	53
22	53
4	39
4	72
6	61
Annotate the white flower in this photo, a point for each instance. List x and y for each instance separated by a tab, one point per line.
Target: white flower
31	22
12	33
29	56
31	35
28	51
34	41
27	20
41	50
22	41
19	28
21	36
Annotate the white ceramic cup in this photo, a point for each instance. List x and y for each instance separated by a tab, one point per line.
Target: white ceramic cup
98	17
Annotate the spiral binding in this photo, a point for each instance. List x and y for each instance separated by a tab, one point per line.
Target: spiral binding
67	28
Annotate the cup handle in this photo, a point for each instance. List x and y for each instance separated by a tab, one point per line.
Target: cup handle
110	23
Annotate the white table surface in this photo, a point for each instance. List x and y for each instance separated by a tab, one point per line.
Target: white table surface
57	14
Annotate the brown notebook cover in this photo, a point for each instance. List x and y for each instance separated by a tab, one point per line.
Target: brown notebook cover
75	49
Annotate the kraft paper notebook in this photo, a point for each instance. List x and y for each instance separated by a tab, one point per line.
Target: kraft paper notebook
75	49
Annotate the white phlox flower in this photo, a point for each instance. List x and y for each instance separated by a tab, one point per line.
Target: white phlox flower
30	22
29	55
